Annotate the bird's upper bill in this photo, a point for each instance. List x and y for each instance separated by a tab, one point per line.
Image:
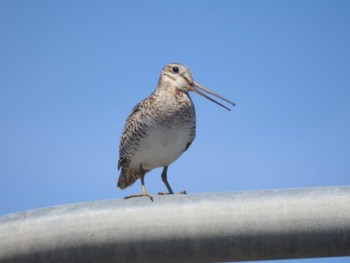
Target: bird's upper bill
182	78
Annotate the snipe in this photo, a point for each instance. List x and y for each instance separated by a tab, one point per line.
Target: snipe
160	128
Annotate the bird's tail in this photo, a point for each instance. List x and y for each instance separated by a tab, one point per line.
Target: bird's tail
128	176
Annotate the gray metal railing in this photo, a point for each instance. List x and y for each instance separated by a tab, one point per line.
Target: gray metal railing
209	227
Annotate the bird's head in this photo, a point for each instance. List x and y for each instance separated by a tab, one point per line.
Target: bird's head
181	77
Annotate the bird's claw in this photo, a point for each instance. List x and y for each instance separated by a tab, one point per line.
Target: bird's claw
167	193
139	195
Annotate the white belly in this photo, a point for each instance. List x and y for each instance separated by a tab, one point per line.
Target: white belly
161	147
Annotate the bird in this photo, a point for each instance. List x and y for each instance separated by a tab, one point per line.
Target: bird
160	128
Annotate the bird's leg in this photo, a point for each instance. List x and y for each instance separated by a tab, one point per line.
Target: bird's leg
165	181
144	192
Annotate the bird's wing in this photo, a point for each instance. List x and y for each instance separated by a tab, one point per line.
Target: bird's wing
135	129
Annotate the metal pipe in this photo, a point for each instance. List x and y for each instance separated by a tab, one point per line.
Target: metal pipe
209	227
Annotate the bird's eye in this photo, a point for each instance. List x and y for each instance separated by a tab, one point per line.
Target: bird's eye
175	69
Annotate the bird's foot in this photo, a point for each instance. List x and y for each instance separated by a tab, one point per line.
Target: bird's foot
167	193
140	195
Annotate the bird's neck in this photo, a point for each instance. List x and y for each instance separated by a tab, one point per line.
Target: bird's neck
167	92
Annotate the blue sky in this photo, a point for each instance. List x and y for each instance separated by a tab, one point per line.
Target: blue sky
71	71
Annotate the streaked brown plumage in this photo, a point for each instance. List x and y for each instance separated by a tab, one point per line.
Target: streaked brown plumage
160	128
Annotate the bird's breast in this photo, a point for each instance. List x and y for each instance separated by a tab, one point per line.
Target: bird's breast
162	146
169	127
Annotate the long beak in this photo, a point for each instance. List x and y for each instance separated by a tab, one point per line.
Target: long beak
195	84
